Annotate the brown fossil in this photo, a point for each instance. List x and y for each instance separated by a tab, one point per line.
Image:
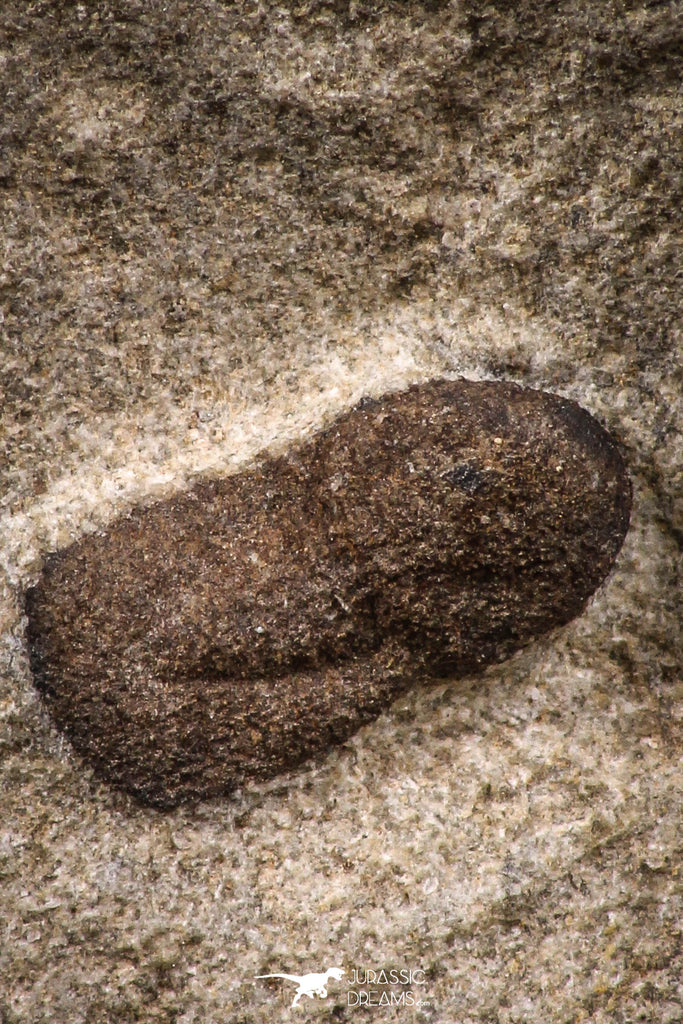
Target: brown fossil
253	621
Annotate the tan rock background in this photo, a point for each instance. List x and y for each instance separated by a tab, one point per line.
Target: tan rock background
221	224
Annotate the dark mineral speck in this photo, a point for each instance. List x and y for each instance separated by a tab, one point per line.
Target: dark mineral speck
250	623
469	478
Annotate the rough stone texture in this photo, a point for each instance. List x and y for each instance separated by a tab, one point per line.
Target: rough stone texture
222	225
236	630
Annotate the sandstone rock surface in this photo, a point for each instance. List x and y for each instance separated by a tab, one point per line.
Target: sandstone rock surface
223	224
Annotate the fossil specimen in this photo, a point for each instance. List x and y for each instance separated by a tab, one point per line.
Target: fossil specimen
249	623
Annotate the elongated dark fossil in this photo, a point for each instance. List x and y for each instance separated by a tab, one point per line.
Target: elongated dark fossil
249	623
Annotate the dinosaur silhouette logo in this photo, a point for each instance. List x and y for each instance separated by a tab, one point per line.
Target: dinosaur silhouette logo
309	984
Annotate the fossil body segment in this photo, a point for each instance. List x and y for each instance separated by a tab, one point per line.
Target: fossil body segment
245	625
